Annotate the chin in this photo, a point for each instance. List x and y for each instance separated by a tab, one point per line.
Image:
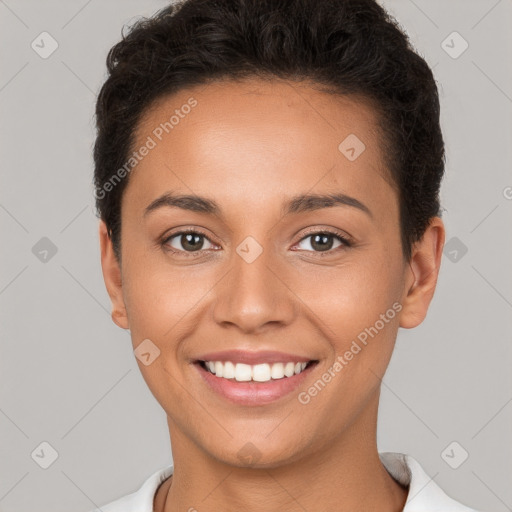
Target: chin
259	455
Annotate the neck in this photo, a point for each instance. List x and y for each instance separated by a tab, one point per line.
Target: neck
345	475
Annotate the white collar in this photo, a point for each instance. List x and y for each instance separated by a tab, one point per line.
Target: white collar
424	494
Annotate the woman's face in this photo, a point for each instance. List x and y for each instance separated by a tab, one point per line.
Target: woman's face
265	271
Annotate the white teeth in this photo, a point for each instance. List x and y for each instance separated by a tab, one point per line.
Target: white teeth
229	370
289	369
259	372
277	371
242	372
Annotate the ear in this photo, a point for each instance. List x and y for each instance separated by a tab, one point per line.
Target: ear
421	276
112	277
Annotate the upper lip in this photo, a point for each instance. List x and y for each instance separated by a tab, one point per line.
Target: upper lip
252	358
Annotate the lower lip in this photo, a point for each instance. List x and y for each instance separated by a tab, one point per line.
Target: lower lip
254	393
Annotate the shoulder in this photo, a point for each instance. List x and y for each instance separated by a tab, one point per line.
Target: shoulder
424	494
141	500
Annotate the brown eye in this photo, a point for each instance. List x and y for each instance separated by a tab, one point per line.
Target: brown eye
187	241
324	241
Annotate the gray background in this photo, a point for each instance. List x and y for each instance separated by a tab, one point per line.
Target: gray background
67	373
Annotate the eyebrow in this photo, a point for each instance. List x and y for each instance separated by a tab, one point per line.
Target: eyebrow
297	204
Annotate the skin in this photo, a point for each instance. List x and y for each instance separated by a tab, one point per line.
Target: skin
250	146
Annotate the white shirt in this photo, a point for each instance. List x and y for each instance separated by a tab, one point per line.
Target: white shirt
424	494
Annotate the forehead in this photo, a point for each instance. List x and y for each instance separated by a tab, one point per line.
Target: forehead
262	107
256	137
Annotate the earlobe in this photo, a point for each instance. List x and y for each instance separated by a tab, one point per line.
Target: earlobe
112	277
422	274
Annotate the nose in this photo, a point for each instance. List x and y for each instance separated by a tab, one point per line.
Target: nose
255	295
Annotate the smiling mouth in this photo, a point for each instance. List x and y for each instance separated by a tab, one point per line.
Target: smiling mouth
264	372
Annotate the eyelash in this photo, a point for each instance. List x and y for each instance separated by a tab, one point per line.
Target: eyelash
343	239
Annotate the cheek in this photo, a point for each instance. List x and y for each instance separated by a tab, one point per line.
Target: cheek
351	295
357	310
160	301
356	306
